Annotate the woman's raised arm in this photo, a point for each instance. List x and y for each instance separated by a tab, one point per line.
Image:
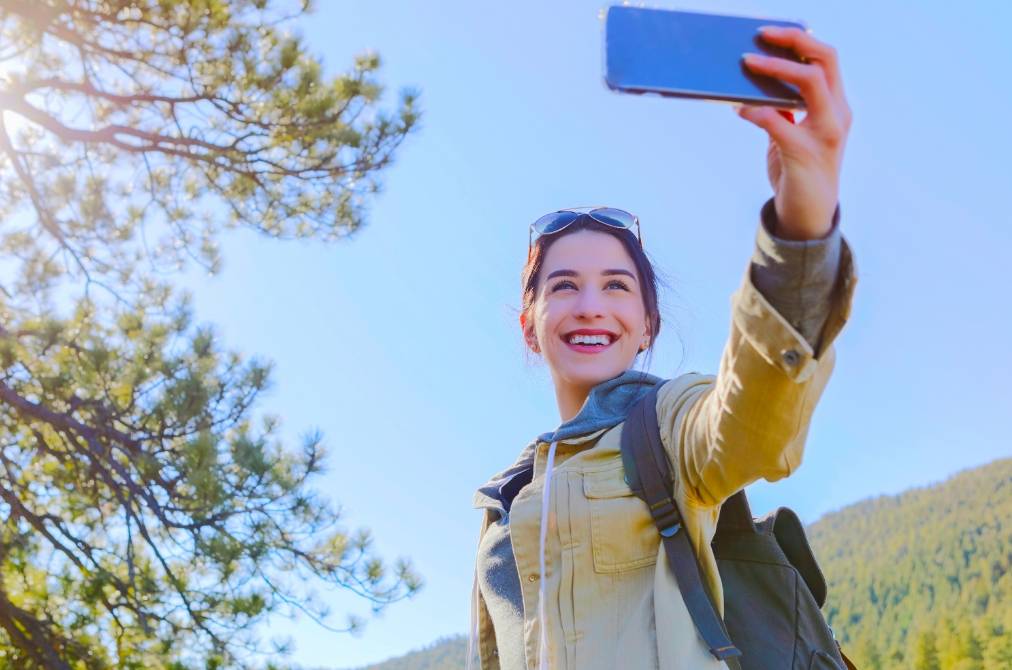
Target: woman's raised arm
751	420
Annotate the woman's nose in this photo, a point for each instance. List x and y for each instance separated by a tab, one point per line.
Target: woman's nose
589	305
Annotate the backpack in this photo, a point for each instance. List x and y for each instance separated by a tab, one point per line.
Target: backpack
773	587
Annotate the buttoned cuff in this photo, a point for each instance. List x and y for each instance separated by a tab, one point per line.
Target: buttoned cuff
797	277
779	341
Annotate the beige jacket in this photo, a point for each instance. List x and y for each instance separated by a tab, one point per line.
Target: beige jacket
611	601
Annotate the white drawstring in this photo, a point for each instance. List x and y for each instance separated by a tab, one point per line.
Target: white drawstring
546	491
472	638
543	643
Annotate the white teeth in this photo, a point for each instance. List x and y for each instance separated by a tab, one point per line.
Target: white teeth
590	339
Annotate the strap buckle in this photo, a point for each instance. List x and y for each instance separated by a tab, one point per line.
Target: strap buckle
666	516
725	653
671	530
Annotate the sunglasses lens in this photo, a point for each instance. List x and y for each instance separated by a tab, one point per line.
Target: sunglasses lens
554	222
614	217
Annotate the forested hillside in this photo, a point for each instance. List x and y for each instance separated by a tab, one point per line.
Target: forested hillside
923	580
448	653
918	581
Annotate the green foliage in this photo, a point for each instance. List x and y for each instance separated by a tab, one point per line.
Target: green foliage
136	129
923	580
925	656
150	517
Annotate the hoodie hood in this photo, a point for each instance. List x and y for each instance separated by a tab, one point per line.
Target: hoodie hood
606	406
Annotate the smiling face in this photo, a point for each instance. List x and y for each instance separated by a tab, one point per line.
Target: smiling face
588	319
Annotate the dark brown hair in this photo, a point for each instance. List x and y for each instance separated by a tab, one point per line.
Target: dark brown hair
644	268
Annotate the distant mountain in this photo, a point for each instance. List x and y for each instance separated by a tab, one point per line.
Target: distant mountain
917	581
446	653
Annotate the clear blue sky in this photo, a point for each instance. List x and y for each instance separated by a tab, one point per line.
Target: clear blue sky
403	345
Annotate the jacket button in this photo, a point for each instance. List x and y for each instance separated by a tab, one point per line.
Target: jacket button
495	652
532	578
791	357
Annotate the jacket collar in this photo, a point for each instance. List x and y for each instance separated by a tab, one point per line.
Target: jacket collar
606	406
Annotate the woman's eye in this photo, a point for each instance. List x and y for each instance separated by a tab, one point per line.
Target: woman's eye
620	284
562	284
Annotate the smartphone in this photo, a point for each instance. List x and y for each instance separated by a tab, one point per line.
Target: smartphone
692	55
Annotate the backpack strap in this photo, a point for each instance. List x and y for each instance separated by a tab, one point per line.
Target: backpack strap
642	449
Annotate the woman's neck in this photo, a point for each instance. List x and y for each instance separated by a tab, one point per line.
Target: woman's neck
570	399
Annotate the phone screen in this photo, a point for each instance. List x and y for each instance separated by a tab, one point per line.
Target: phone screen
692	55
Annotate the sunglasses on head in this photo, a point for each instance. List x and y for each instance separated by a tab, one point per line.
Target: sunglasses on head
609	216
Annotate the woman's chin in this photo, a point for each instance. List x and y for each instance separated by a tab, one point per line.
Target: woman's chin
587	370
591	375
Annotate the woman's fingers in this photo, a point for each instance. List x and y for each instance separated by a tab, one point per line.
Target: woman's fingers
810	49
780	130
828	116
809	78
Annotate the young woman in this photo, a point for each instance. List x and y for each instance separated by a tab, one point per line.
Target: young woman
568	573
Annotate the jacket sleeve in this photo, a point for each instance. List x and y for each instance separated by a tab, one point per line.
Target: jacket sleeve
751	420
797	276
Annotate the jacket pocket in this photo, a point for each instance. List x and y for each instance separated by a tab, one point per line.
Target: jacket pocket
623	535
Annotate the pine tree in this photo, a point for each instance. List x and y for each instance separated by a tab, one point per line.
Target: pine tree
925	656
150	516
136	129
868	655
998	653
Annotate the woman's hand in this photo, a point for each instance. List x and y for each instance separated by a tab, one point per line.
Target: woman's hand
803	160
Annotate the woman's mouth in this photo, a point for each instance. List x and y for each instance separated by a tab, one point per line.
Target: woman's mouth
589	343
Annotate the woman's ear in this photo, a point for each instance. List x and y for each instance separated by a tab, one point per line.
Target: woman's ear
529	337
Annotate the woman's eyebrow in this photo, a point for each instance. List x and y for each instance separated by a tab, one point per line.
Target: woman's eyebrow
604	273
